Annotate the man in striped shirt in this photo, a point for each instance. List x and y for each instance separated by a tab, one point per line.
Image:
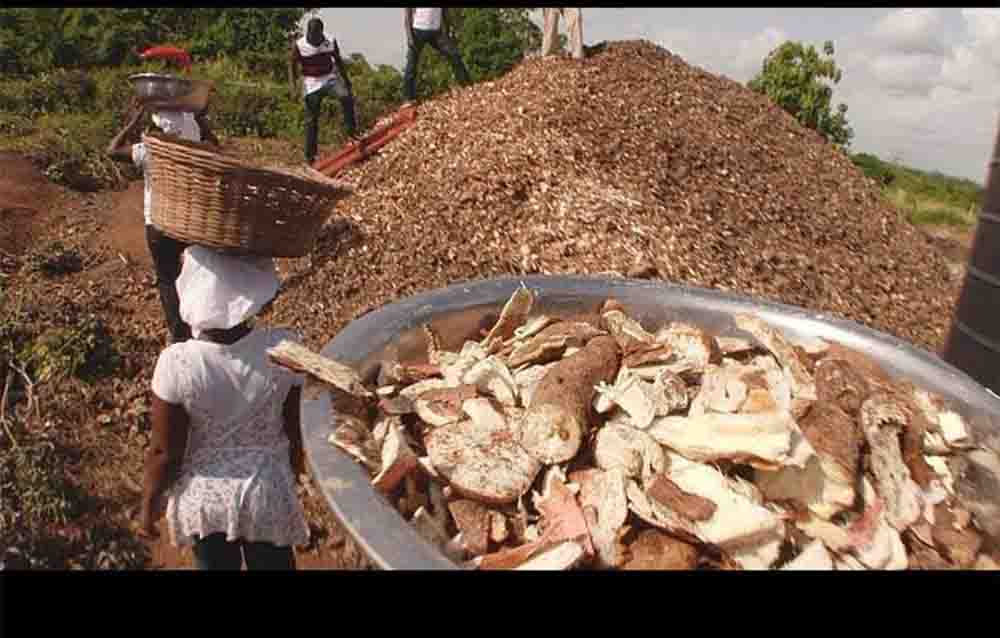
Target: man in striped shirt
322	74
428	26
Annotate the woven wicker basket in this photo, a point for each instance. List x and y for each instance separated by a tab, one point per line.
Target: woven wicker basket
203	197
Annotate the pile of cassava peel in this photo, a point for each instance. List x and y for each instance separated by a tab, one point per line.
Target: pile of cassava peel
562	443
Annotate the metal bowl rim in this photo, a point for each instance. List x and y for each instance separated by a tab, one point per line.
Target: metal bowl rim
423	304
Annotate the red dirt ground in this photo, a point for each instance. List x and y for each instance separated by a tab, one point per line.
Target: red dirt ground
33	210
26	197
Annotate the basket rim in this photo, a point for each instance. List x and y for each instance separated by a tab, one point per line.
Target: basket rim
205	151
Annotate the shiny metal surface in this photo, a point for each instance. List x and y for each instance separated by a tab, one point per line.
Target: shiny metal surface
458	312
158	86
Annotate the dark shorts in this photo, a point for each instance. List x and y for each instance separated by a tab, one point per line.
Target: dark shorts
214	552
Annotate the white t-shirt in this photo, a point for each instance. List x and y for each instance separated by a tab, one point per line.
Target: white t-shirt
312	84
141	161
236	476
427	19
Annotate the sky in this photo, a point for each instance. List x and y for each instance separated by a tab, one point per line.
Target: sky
922	85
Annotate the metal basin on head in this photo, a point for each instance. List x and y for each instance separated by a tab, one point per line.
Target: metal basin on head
458	312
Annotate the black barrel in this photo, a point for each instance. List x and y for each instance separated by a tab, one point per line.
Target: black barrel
973	344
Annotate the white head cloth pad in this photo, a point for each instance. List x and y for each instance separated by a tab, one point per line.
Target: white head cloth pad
178	123
220	291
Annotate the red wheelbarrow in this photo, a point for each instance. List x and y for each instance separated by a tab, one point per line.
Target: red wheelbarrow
357	151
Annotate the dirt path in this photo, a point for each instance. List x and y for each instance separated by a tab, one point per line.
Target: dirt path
122	220
26	202
108	227
110	224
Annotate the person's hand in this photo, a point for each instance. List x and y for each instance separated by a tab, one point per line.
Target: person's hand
148	518
147	528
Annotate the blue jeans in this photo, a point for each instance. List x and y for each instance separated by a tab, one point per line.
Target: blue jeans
314	102
441	43
214	552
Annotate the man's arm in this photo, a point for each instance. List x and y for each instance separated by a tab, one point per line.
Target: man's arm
293	54
338	61
120	150
293	70
408	25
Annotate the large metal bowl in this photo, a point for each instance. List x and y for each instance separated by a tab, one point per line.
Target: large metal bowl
457	313
159	86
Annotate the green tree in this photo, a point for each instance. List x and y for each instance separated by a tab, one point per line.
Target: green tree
35	40
795	77
377	89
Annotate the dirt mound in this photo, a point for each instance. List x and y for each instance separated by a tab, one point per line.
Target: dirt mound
26	196
631	161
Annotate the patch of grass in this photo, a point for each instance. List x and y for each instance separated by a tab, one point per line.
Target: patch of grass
65	119
926	198
36	493
85	351
938	217
54	341
71	146
54	259
924	211
14	125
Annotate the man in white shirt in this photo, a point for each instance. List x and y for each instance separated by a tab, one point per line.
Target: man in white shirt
428	26
323	74
165	251
574	25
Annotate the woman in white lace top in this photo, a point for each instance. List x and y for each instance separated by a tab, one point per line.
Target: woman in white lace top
226	446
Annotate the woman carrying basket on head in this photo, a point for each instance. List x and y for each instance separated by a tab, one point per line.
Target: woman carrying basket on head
165	251
226	446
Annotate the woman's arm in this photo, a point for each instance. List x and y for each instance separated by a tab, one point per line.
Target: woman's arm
293	431
118	149
163	460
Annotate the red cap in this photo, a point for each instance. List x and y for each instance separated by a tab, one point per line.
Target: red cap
179	56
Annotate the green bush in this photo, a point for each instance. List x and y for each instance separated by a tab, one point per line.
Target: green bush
14	125
114	91
33	487
57	91
874	168
72	147
938	217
